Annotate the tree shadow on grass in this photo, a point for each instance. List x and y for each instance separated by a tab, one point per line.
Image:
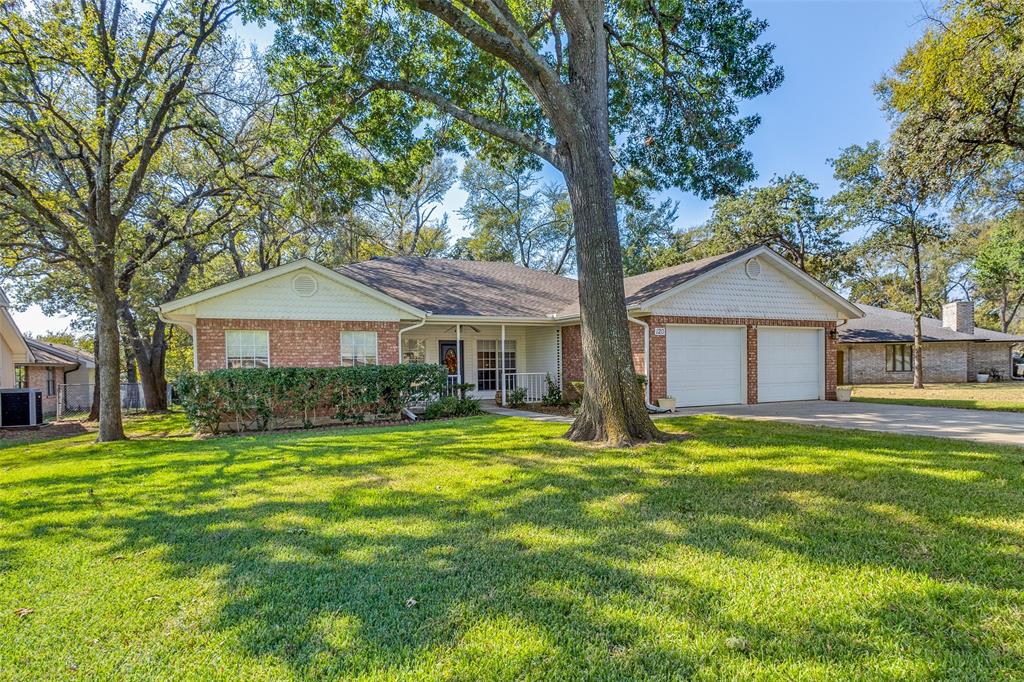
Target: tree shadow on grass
748	549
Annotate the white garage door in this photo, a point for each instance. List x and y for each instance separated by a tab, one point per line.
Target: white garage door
706	365
790	363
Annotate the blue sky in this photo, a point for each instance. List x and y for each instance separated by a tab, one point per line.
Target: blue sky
833	53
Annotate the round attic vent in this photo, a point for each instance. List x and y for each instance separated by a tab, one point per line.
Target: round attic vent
304	285
753	268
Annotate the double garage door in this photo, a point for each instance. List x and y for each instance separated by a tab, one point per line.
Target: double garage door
707	365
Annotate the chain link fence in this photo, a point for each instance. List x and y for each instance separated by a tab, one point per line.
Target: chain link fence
74	401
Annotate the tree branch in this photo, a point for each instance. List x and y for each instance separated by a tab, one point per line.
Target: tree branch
524	141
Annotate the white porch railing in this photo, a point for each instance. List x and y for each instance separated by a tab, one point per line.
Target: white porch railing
453	381
535	383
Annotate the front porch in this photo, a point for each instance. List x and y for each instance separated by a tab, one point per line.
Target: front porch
491	357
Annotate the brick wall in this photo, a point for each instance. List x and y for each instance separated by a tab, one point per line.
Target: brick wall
35	377
751	364
294	343
988	355
572	354
943	362
831	366
572	351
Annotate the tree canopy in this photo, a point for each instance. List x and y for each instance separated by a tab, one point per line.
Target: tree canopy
957	97
787	215
513	217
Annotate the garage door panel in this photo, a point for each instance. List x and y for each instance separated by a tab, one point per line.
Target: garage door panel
790	362
705	365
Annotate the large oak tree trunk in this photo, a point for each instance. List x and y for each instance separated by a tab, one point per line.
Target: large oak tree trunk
108	358
613	410
149	359
613	407
149	354
94	406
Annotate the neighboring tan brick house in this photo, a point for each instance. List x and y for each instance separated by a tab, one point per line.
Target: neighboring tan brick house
745	326
27	363
59	372
877	348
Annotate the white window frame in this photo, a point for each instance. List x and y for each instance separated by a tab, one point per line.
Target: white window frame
423	349
51	381
228	356
355	359
500	365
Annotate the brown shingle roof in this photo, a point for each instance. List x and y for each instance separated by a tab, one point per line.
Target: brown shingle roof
50	353
463	287
880	325
640	288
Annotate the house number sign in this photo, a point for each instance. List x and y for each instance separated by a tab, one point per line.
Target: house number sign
659	331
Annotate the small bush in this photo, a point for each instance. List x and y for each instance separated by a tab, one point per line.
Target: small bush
553	394
463	388
261	399
452	406
574	391
516	397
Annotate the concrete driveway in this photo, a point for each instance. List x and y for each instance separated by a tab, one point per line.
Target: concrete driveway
1005	428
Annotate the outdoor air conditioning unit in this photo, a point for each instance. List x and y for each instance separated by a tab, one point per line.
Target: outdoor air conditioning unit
21	407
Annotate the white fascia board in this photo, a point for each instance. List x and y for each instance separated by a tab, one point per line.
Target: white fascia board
488	319
12	335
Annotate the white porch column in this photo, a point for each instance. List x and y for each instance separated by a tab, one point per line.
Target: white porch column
458	353
502	373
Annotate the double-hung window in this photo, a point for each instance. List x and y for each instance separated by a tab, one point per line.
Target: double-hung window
247	348
20	377
898	357
414	350
51	381
358	348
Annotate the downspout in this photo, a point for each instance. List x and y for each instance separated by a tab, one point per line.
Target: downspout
191	330
408	329
647	365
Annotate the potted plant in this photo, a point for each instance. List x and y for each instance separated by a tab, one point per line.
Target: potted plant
844	393
982	377
667	403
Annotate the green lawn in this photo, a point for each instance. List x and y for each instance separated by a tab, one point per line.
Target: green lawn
753	550
1006	396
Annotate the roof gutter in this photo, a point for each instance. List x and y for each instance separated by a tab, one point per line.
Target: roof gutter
647	357
191	327
409	329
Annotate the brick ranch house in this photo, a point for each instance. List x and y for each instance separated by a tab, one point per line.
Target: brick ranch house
28	363
876	348
743	327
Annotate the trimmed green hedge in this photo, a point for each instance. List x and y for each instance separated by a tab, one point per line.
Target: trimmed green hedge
263	399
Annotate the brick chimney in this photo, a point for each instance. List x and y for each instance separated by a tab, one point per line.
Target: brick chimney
958	316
